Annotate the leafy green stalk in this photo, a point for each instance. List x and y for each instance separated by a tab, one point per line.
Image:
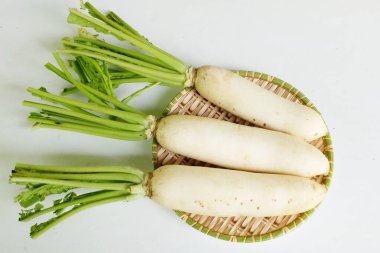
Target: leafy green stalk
30	214
88	129
109	117
117	19
49	117
70	183
31	196
83	67
81	169
116	83
125	126
120	50
95	119
57	71
73	45
68	106
125	115
139	92
98	176
153	63
109	99
111	184
75	82
168	79
106	25
39	229
114	23
76	66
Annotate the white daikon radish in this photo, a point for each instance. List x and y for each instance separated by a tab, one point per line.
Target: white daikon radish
199	190
222	192
258	105
240	147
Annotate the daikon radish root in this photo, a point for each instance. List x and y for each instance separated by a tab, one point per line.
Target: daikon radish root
240	147
222	192
258	105
199	190
220	86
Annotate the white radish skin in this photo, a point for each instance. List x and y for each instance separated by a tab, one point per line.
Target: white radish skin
258	105
240	147
222	192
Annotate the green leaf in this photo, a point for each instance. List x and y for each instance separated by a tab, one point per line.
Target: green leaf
27	212
86	34
39	226
77	68
98	75
31	196
77	20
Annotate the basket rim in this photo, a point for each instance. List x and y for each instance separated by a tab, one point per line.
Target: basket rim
329	152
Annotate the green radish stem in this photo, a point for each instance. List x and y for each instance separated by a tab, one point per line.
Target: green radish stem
81	169
70	44
112	183
120	50
139	92
37	231
80	200
108	117
75	82
168	79
117	82
95	119
129	31
92	130
77	184
76	17
100	94
99	176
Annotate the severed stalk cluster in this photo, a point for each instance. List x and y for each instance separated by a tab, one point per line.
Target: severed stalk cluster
105	184
103	115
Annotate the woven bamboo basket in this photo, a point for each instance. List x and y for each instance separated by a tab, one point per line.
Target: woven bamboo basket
239	229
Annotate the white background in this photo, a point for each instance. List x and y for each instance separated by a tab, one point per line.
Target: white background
328	49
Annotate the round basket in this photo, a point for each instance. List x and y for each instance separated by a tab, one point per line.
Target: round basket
242	228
